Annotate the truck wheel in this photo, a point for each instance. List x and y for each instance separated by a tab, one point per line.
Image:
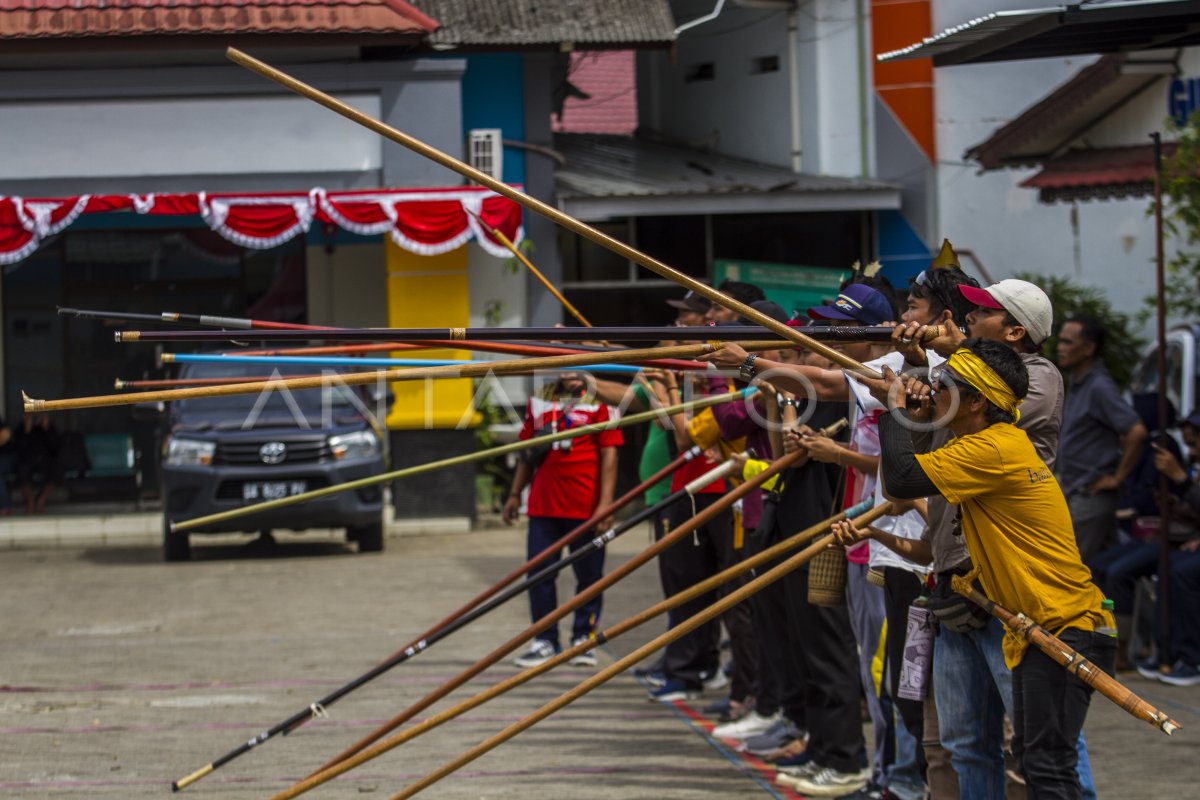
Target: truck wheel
176	546
369	537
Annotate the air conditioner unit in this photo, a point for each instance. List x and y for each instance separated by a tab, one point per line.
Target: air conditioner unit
485	151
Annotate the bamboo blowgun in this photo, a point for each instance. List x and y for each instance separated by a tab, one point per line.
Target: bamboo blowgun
861	514
602	585
682	629
466	458
1074	663
518	366
460	618
533	204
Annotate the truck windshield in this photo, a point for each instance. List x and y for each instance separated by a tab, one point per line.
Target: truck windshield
282	406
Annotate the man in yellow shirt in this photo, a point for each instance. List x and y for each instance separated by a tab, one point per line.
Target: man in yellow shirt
1013	516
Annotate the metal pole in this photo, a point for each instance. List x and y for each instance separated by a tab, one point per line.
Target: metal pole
1164	511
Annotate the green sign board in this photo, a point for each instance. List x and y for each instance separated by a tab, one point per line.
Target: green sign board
793	286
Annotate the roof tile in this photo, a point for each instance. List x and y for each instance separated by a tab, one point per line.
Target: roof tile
34	19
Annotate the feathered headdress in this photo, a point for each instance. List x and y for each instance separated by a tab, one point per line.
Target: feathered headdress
946	257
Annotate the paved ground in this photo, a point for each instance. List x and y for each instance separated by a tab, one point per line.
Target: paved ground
119	674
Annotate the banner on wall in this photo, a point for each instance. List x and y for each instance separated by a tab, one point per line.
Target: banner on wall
423	221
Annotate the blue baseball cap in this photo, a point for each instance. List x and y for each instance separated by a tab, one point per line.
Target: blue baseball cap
857	302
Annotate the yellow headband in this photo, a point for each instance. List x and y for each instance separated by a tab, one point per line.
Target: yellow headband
975	371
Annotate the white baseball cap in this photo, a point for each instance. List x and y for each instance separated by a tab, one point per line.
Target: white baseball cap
1027	304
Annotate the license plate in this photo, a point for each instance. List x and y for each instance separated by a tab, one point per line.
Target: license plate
257	491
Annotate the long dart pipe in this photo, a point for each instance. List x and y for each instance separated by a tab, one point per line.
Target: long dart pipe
507	347
679	631
861	514
512	348
453	336
721	504
176	318
520	366
466	458
463	616
533	204
337	361
1075	663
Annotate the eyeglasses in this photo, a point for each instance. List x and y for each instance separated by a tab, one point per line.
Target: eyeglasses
925	279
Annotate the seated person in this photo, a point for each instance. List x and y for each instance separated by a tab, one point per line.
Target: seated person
37	446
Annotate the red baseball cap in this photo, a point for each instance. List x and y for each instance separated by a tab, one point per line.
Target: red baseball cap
979	297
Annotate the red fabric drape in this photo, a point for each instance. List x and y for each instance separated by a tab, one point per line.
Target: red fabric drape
426	221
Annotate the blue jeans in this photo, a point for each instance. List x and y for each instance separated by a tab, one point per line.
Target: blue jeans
973	690
543	597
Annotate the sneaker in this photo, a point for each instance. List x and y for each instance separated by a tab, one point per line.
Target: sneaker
750	725
674	689
585	659
791	776
540	651
1181	674
828	782
714	682
794	748
656	678
1150	669
801	766
780	733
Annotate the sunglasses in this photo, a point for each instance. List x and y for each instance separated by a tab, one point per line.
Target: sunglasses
925	279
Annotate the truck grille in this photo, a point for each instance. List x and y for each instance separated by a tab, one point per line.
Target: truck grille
299	451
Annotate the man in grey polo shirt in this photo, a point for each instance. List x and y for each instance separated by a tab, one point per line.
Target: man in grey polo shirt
1101	439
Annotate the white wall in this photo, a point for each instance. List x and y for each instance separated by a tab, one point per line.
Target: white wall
1112	244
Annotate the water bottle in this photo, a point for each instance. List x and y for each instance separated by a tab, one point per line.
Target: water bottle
1107	605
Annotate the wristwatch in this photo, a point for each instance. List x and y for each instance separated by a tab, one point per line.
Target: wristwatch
746	370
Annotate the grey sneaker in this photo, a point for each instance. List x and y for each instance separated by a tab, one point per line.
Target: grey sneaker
540	651
585	659
828	782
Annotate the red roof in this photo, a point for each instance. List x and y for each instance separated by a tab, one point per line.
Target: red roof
1103	172
41	19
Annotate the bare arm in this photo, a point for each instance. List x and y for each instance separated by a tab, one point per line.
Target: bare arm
615	393
512	505
915	550
799	379
608	482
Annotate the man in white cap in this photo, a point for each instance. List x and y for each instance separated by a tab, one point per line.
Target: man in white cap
968	671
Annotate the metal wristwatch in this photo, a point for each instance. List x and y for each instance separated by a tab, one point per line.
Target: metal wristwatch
746	370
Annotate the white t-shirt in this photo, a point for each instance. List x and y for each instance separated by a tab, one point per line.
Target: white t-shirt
910	524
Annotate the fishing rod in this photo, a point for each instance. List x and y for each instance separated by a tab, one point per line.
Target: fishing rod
861	515
521	366
693	333
1062	653
466	458
463	617
675	633
533	204
595	590
336	361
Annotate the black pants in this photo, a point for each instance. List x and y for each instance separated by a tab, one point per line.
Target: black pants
824	642
781	681
1049	706
686	563
900	588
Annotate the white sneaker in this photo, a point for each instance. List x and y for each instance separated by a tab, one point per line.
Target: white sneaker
750	725
585	659
540	651
716	681
828	782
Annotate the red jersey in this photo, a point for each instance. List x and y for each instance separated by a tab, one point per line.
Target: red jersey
567	482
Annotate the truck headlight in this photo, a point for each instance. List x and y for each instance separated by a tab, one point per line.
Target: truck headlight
360	444
189	452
